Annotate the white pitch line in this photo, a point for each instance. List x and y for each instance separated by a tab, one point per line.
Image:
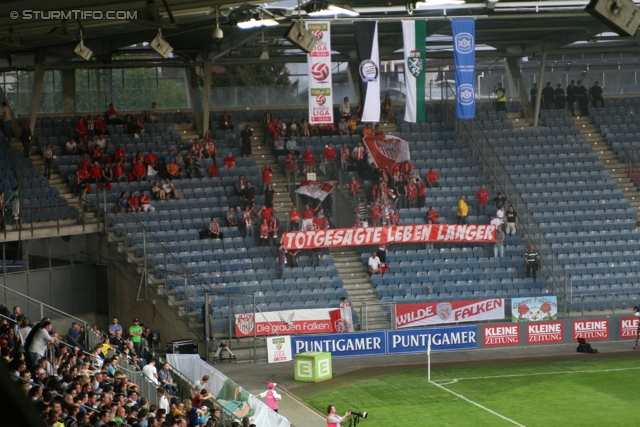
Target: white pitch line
538	374
479	405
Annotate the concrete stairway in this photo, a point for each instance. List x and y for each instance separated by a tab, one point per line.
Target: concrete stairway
282	202
611	163
357	281
518	121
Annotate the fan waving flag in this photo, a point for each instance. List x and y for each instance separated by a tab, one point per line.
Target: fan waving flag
387	150
316	189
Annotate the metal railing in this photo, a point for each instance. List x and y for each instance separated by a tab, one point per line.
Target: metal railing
493	169
35	310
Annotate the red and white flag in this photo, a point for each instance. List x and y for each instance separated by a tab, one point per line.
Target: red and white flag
387	150
316	189
293	322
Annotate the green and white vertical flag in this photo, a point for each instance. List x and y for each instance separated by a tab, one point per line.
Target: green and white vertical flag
415	46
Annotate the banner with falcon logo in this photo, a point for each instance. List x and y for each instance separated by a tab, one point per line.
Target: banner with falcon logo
316	189
387	150
319	62
415	39
464	55
366	33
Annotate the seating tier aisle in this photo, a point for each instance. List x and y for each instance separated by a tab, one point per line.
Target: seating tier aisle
584	216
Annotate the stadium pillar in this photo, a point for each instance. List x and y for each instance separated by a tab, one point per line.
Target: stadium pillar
536	113
516	85
354	84
35	95
206	91
195	95
68	90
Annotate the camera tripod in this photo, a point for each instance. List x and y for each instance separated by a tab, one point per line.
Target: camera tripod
219	356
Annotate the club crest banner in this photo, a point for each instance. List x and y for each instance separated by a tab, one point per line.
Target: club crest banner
464	55
415	36
534	309
316	189
387	150
320	81
439	313
366	33
292	322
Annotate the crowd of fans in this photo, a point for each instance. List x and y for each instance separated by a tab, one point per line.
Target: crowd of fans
73	385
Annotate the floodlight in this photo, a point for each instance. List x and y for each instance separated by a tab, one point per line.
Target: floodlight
160	45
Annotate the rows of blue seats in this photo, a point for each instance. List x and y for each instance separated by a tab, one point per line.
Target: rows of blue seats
612	250
576	196
615	281
539	145
601	237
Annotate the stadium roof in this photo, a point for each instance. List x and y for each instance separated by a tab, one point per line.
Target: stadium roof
39	35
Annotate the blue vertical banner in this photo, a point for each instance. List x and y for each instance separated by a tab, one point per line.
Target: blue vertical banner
464	56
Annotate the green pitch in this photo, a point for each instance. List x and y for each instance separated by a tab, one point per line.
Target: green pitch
582	390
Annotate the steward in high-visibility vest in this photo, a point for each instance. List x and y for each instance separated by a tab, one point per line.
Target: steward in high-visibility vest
502	97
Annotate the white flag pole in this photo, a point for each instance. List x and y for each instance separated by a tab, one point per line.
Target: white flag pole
429	360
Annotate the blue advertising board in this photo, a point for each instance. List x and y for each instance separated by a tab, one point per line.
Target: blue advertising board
342	345
442	339
379	343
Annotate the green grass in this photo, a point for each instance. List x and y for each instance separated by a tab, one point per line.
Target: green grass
548	392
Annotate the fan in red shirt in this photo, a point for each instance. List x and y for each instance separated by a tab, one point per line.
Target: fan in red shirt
264	233
432	215
482	196
432	178
230	161
85	162
82	175
406	167
118	171
267	170
145	202
294	218
309	160
133	202
96	154
119	154
273	231
289	164
354	188
139	171
95	172
150	159
395	218
374	213
265	213
80	128
421	196
100	125
412	194
213	170
307	217
330	156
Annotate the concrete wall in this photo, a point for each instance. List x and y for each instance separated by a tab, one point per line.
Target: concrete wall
70	289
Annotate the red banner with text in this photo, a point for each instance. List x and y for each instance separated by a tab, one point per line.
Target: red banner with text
440	313
293	322
363	236
629	327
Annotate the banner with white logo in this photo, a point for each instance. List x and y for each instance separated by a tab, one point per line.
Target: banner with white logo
366	236
441	313
464	55
319	62
279	349
415	49
387	150
366	33
316	189
534	309
292	322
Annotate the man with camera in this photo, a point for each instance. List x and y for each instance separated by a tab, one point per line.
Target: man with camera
333	419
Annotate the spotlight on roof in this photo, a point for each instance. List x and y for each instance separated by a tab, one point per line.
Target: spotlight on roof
160	45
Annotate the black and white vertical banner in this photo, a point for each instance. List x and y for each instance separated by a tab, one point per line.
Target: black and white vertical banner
366	33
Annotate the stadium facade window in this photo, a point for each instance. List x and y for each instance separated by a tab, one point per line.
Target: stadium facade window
17	87
131	89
